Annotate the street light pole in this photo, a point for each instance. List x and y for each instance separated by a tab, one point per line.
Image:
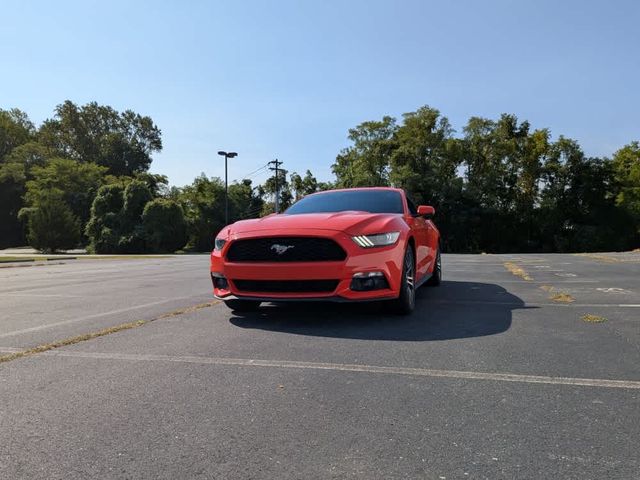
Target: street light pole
226	155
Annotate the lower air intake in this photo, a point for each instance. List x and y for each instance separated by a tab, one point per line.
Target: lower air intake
286	286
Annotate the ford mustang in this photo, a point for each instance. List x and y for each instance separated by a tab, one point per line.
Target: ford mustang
359	244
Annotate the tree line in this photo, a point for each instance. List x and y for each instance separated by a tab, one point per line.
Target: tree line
81	179
501	186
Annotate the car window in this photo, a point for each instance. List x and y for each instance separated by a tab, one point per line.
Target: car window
372	201
412	208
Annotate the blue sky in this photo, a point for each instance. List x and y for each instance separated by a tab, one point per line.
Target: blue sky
287	79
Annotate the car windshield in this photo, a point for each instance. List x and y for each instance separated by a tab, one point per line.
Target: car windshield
372	201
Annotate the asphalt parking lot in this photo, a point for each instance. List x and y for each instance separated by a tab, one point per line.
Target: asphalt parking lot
518	366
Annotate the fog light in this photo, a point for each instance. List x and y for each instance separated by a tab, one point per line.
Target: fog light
365	281
219	281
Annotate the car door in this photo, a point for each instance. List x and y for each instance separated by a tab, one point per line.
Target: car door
420	227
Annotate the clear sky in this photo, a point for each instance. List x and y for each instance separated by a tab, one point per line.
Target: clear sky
287	79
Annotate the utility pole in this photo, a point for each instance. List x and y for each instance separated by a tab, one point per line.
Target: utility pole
277	163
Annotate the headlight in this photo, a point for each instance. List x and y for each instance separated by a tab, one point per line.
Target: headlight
377	240
219	243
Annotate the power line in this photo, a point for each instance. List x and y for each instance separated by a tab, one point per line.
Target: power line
257	170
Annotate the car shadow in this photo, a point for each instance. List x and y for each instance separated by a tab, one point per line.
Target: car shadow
453	310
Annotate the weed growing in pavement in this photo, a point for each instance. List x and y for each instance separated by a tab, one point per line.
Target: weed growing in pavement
562	297
589	318
517	271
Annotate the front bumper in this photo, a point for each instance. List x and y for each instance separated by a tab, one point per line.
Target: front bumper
387	260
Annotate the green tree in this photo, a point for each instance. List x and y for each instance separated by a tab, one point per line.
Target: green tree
15	129
424	159
52	226
105	224
626	166
244	202
164	225
121	142
366	163
16	137
273	187
203	206
116	224
13	176
78	183
302	186
132	233
577	208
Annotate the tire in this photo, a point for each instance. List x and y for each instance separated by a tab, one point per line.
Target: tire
436	277
406	301
242	305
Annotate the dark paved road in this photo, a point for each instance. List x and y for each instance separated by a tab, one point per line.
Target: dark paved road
490	378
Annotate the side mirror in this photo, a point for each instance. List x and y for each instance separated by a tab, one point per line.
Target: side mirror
426	211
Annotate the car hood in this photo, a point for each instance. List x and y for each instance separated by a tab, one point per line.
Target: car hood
352	222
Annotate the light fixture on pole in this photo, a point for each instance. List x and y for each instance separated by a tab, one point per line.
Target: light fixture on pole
226	155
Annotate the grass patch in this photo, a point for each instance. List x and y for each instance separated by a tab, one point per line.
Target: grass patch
589	318
100	333
517	271
21	258
71	340
562	297
546	288
29	259
121	257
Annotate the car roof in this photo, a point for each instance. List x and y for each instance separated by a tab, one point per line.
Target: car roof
393	189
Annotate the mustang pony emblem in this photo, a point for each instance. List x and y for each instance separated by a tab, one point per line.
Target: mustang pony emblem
280	249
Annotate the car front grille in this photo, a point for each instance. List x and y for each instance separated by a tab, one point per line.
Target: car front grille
286	286
285	249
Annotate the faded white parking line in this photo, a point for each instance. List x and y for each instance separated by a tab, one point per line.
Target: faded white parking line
10	350
613	290
90	317
525	305
344	367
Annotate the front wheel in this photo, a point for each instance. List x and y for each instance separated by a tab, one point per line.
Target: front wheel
242	305
406	302
436	276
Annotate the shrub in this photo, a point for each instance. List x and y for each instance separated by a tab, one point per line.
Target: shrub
165	228
51	224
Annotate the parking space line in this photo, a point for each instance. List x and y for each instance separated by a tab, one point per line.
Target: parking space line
10	349
344	367
533	304
90	317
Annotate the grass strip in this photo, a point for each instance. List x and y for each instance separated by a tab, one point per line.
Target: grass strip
5	259
120	257
100	333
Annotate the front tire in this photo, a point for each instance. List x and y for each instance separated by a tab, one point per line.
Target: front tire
406	302
242	305
436	276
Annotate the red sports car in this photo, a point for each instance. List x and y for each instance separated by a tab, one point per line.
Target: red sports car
355	244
